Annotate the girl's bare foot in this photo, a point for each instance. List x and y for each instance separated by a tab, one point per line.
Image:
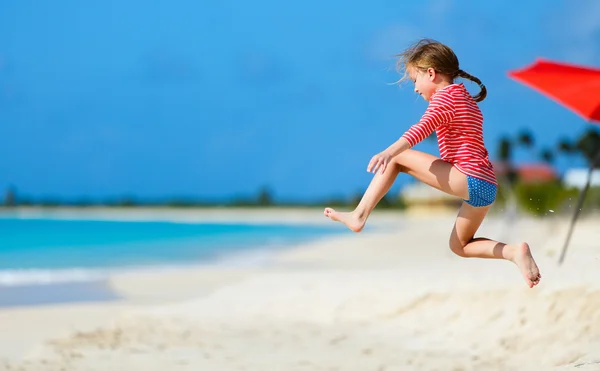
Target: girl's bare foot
351	220
524	260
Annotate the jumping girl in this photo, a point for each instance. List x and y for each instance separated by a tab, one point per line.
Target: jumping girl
464	169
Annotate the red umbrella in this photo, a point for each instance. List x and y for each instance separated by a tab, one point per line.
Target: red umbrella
575	87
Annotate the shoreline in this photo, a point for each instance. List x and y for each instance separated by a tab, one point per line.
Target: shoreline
226	215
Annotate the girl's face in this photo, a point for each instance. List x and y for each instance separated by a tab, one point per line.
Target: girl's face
424	81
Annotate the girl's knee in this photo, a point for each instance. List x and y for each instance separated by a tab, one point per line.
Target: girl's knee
399	163
394	166
457	247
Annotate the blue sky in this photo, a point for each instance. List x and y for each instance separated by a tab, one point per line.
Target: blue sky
215	99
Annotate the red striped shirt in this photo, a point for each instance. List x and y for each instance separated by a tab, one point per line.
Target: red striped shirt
455	117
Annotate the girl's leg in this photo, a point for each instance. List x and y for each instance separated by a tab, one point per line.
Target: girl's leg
423	166
443	176
463	244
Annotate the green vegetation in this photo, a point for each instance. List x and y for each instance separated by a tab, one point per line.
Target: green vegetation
263	198
538	198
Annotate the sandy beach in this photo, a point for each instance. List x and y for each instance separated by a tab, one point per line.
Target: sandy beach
393	297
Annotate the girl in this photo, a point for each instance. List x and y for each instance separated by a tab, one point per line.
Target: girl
464	169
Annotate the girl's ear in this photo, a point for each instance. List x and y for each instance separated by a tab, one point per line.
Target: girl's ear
431	74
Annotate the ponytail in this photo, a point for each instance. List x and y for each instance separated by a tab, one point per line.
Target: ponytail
482	93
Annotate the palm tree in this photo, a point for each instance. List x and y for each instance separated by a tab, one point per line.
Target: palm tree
10	197
505	150
566	146
525	140
264	197
589	146
547	156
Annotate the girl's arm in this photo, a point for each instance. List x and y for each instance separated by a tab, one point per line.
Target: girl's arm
380	161
440	111
398	147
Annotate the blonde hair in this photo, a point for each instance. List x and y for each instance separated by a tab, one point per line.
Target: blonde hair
427	53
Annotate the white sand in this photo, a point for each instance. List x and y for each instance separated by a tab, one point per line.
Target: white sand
379	300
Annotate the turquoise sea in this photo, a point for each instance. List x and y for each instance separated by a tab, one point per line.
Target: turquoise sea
68	253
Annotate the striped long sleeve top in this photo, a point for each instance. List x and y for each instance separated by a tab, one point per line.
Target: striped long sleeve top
455	117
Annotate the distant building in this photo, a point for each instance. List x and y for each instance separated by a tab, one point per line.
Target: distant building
529	173
419	197
576	178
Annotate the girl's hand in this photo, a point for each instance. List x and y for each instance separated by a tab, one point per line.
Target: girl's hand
379	162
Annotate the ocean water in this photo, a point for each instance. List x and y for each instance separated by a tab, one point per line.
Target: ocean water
51	251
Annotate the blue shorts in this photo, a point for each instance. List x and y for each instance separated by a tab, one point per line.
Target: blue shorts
481	193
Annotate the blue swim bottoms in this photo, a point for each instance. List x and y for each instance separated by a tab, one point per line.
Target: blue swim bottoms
481	193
